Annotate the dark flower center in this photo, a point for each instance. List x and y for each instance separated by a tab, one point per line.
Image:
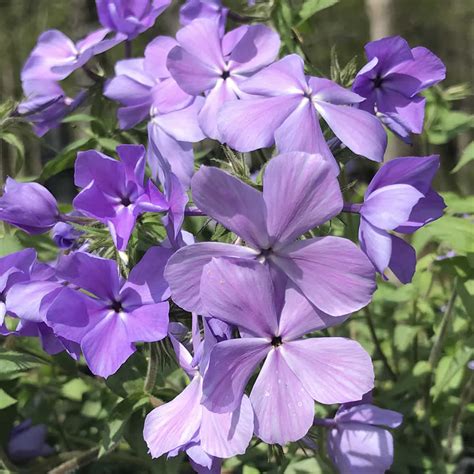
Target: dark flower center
276	341
125	201
225	75
378	80
116	306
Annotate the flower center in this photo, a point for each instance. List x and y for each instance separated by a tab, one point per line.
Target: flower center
378	80
276	341
116	306
225	75
125	201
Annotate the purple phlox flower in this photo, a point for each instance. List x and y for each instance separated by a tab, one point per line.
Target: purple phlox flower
27	442
147	91
65	235
29	299
46	104
300	192
29	206
392	80
208	62
130	17
358	441
116	313
399	198
295	371
114	192
283	106
55	56
211	9
185	424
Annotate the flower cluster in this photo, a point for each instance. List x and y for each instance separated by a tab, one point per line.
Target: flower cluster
265	298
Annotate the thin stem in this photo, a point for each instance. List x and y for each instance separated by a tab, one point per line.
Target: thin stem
152	369
353	208
378	346
128	49
77	462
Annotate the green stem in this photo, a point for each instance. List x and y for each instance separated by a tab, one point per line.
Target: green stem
72	465
152	369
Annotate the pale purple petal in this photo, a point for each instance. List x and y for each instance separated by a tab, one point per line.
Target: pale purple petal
328	91
228	289
121	226
377	245
156	54
390	206
175	423
369	414
227	434
300	193
168	96
331	369
250	124
148	323
230	366
330	271
232	203
284	410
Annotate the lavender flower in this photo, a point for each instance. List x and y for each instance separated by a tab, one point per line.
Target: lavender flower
296	371
114	191
27	442
193	9
299	193
207	61
392	80
281	105
65	235
117	314
147	91
399	198
29	206
130	17
358	442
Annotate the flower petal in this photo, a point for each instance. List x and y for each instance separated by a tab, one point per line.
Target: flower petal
148	323
377	245
330	271
232	203
403	259
331	369
300	192
370	414
284	410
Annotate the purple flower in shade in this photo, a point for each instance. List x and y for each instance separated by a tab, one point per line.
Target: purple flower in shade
114	191
283	106
130	17
299	193
55	56
46	104
28	300
65	235
27	442
211	9
399	198
358	442
184	424
392	80
208	62
147	91
116	313
296	371
29	206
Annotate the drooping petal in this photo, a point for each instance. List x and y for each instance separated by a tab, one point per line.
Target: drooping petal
231	364
232	203
402	260
330	271
227	434
184	269
121	226
146	283
257	48
331	369
175	423
228	289
370	414
360	131
390	206
95	274
250	124
377	245
300	192
284	410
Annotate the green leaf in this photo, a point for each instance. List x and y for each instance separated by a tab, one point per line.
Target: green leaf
14	141
75	389
79	118
404	335
466	157
5	400
9	244
66	158
13	363
311	7
107	144
456	204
